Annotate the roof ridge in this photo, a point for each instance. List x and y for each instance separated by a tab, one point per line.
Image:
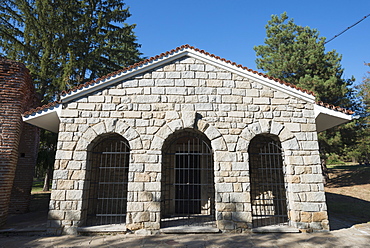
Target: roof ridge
186	46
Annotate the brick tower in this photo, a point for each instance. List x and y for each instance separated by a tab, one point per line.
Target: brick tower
18	141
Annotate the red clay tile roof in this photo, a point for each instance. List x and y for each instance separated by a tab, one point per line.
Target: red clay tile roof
336	108
43	107
136	65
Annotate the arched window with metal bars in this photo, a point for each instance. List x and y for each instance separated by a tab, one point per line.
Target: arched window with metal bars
268	192
188	194
107	199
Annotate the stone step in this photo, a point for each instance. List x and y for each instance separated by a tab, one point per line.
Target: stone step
189	229
103	229
275	229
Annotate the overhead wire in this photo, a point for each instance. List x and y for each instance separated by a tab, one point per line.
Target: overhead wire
335	36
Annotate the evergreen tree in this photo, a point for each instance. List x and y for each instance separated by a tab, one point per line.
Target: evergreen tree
64	43
361	149
364	93
67	42
297	55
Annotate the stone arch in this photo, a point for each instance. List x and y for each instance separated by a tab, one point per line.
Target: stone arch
287	138
288	141
217	141
267	181
91	136
189	121
109	126
188	185
106	180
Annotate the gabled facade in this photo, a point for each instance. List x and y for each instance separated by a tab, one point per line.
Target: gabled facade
187	138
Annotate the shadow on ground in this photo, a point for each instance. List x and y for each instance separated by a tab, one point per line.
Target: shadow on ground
347	196
37	216
350	175
194	240
346	211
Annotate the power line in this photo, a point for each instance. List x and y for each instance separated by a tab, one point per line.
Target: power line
347	28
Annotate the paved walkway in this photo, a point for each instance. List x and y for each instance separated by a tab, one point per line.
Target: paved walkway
356	236
17	233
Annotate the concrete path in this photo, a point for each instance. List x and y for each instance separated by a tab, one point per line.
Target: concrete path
356	236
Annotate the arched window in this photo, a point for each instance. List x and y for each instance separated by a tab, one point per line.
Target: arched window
188	180
109	162
268	193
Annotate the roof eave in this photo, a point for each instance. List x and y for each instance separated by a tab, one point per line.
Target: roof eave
47	118
327	118
121	76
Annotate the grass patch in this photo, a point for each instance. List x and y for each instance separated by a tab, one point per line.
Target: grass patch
347	166
37	186
348	175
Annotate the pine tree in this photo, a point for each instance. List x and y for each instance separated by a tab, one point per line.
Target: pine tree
67	42
297	55
361	149
64	43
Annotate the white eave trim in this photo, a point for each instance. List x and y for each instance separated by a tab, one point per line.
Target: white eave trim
47	118
121	76
327	118
194	54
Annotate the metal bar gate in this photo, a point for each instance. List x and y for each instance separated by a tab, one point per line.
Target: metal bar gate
188	183
108	185
268	194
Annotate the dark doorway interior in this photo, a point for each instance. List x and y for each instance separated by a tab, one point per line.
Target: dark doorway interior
109	160
187	181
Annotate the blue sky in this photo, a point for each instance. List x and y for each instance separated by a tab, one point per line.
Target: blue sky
230	29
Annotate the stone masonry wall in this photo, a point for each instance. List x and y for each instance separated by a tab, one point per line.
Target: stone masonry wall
229	109
16	96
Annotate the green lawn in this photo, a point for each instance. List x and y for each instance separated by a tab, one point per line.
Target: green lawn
37	186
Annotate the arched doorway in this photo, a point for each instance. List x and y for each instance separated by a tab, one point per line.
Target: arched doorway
268	193
107	199
188	194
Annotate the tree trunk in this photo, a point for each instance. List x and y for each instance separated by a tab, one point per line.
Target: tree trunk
325	171
47	180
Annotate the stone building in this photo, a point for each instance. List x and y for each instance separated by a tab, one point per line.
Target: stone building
187	138
18	140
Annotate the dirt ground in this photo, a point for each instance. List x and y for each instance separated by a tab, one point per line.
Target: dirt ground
348	195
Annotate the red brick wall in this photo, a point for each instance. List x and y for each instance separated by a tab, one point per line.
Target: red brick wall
27	156
16	96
